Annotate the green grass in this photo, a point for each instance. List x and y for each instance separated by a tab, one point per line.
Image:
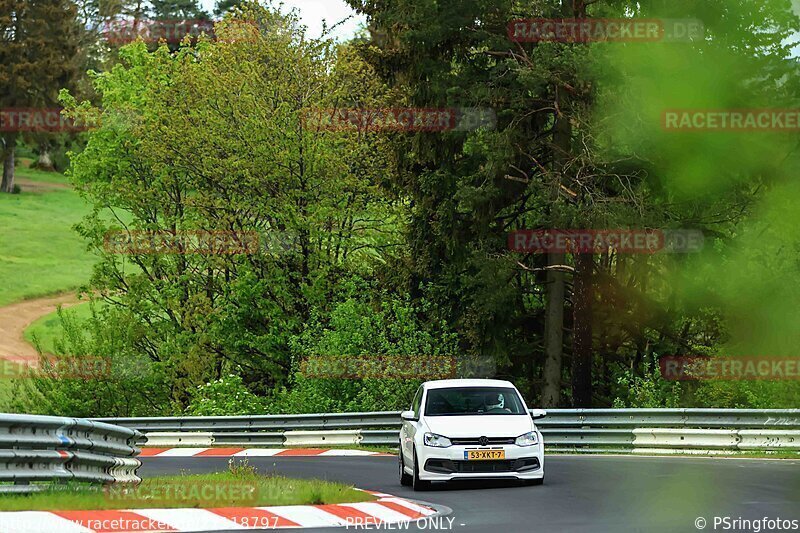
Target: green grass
40	254
40	176
45	331
370	448
367	448
245	489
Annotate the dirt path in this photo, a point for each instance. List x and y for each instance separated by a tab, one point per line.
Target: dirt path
39	186
15	318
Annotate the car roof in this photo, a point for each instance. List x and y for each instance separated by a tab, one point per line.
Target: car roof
447	383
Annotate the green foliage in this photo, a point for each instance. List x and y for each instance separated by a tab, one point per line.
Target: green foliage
178	9
37	56
238	103
358	324
647	391
397	244
242	468
748	395
364	323
611	164
48	330
225	396
103	375
223	6
38	50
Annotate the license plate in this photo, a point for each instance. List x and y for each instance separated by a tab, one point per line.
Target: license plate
484	455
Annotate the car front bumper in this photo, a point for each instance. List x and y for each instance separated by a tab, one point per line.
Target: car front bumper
445	464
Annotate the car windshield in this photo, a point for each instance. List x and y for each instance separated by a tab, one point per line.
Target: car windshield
459	401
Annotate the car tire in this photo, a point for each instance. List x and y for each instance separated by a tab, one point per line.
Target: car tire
405	479
533	482
416	482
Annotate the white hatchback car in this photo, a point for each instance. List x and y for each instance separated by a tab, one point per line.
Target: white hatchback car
470	429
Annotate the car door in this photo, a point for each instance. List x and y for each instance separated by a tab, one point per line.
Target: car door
409	429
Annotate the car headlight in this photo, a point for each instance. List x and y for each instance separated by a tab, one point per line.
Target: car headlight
528	439
436	441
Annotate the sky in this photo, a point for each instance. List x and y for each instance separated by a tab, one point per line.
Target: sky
312	12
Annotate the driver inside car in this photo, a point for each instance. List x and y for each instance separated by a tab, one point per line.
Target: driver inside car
494	401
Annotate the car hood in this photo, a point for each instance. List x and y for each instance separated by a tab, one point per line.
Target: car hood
480	425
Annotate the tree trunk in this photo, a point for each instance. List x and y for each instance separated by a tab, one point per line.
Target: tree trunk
7	184
583	294
553	333
554	312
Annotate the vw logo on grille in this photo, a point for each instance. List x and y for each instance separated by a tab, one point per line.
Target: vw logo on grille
484	441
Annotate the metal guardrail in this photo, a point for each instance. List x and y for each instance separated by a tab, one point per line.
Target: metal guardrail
49	449
578	430
280	423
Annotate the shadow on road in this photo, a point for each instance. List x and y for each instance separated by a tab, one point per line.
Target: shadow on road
478	484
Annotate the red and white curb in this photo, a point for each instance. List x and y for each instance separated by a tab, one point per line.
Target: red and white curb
256	452
387	509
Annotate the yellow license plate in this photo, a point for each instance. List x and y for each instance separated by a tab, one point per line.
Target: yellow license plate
484	455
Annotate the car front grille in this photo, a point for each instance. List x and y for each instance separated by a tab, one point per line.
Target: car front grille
476	441
447	466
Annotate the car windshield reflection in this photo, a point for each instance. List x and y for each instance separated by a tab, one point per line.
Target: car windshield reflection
470	401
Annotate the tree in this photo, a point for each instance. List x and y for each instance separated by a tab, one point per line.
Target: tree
224	6
456	54
178	9
37	59
213	138
569	168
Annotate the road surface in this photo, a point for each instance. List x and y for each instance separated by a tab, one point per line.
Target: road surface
581	493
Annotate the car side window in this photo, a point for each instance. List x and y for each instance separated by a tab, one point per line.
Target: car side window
417	403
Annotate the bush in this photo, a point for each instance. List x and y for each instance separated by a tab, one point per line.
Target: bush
648	391
358	327
353	327
227	396
748	395
128	383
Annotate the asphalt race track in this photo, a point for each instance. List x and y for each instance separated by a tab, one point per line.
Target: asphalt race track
581	493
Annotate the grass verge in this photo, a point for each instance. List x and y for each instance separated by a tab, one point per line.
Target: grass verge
191	491
367	448
376	449
40	254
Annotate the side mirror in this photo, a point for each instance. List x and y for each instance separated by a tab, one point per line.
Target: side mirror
409	415
538	413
